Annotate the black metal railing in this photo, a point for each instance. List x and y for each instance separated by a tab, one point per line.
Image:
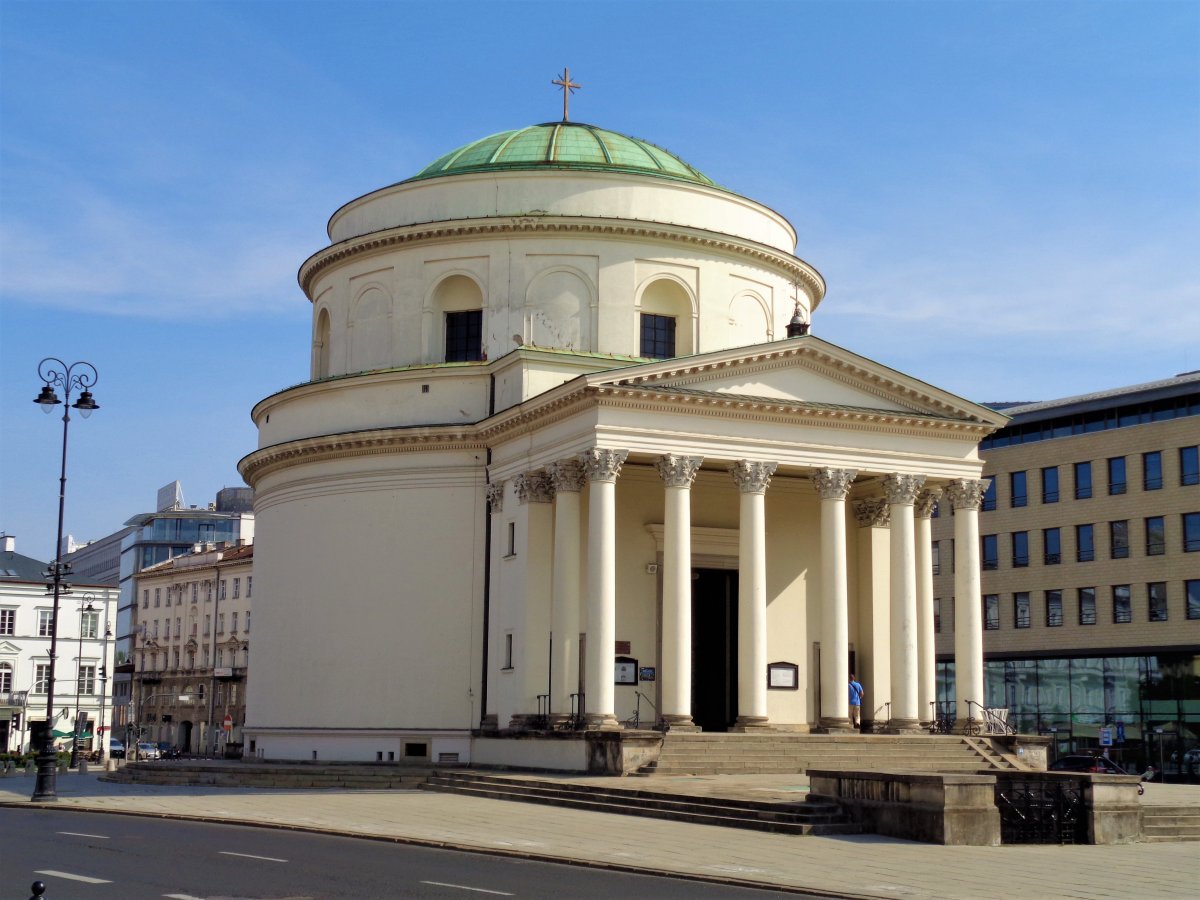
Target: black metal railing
1041	810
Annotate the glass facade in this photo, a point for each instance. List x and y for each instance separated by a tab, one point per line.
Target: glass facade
1152	703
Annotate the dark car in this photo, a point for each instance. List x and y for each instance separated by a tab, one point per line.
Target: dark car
1086	762
167	751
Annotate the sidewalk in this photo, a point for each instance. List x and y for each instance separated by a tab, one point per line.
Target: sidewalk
848	866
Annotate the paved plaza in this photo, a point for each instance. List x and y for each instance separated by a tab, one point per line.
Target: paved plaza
846	866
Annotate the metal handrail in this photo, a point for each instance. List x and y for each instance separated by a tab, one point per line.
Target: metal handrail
990	719
635	721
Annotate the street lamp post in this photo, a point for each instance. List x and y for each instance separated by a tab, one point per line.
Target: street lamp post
103	734
55	373
87	607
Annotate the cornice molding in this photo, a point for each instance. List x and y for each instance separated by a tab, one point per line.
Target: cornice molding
260	463
791	267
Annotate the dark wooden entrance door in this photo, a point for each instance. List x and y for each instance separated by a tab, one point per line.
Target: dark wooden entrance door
714	648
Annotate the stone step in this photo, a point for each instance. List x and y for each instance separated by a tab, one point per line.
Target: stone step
1188	820
352	777
701	810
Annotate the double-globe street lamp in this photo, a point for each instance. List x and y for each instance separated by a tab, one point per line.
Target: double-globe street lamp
88	606
55	373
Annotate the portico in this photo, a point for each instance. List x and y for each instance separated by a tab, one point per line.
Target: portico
641	512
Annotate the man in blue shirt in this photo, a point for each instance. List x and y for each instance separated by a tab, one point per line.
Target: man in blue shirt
856	692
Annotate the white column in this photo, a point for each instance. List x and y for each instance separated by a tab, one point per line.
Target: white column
678	473
601	468
926	658
901	491
567	477
532	621
752	479
967	496
488	720
834	485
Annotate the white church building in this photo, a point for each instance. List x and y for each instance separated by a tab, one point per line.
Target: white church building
569	447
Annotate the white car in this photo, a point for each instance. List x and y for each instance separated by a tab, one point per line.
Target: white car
148	750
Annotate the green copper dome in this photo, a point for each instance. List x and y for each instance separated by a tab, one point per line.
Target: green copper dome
563	145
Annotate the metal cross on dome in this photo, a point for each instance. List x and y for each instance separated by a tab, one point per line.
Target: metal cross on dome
568	86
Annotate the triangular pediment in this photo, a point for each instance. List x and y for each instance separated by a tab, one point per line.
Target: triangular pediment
805	372
9	649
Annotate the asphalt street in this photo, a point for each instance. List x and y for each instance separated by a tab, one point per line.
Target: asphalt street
97	857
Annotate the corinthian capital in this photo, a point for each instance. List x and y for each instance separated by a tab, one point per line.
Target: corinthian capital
833	484
752	477
926	502
678	471
873	513
566	475
602	465
902	489
495	496
533	487
966	493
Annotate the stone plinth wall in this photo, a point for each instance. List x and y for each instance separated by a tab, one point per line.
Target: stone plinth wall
935	808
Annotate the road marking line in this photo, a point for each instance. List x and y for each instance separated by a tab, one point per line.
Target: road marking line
463	887
54	873
251	856
99	837
181	897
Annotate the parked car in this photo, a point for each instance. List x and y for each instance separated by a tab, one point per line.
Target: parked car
116	749
148	750
1087	762
167	750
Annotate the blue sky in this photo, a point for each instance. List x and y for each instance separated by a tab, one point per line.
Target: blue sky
1004	198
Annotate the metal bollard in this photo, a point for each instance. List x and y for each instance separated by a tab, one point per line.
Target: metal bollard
38	888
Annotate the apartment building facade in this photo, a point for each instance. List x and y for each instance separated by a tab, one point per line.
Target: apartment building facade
1090	550
191	648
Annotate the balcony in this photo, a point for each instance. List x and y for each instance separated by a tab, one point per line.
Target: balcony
13	698
149	677
229	673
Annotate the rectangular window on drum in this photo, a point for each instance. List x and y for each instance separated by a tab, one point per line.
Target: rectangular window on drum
658	336
464	336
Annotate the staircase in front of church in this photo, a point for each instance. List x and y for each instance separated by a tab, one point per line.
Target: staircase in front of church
715	753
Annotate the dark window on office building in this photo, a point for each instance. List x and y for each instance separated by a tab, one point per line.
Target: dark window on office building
1083	480
1020	549
1021	609
1019	492
1116	475
935	554
1191	591
1122	604
1085	548
1191	532
1156	592
991	612
1054	612
1051	546
991	551
1152	471
464	336
937	615
658	336
1087	605
989	496
1050	484
1118	536
1189	465
1156	536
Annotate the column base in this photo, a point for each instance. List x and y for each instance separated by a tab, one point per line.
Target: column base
835	725
905	726
602	722
751	723
679	722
